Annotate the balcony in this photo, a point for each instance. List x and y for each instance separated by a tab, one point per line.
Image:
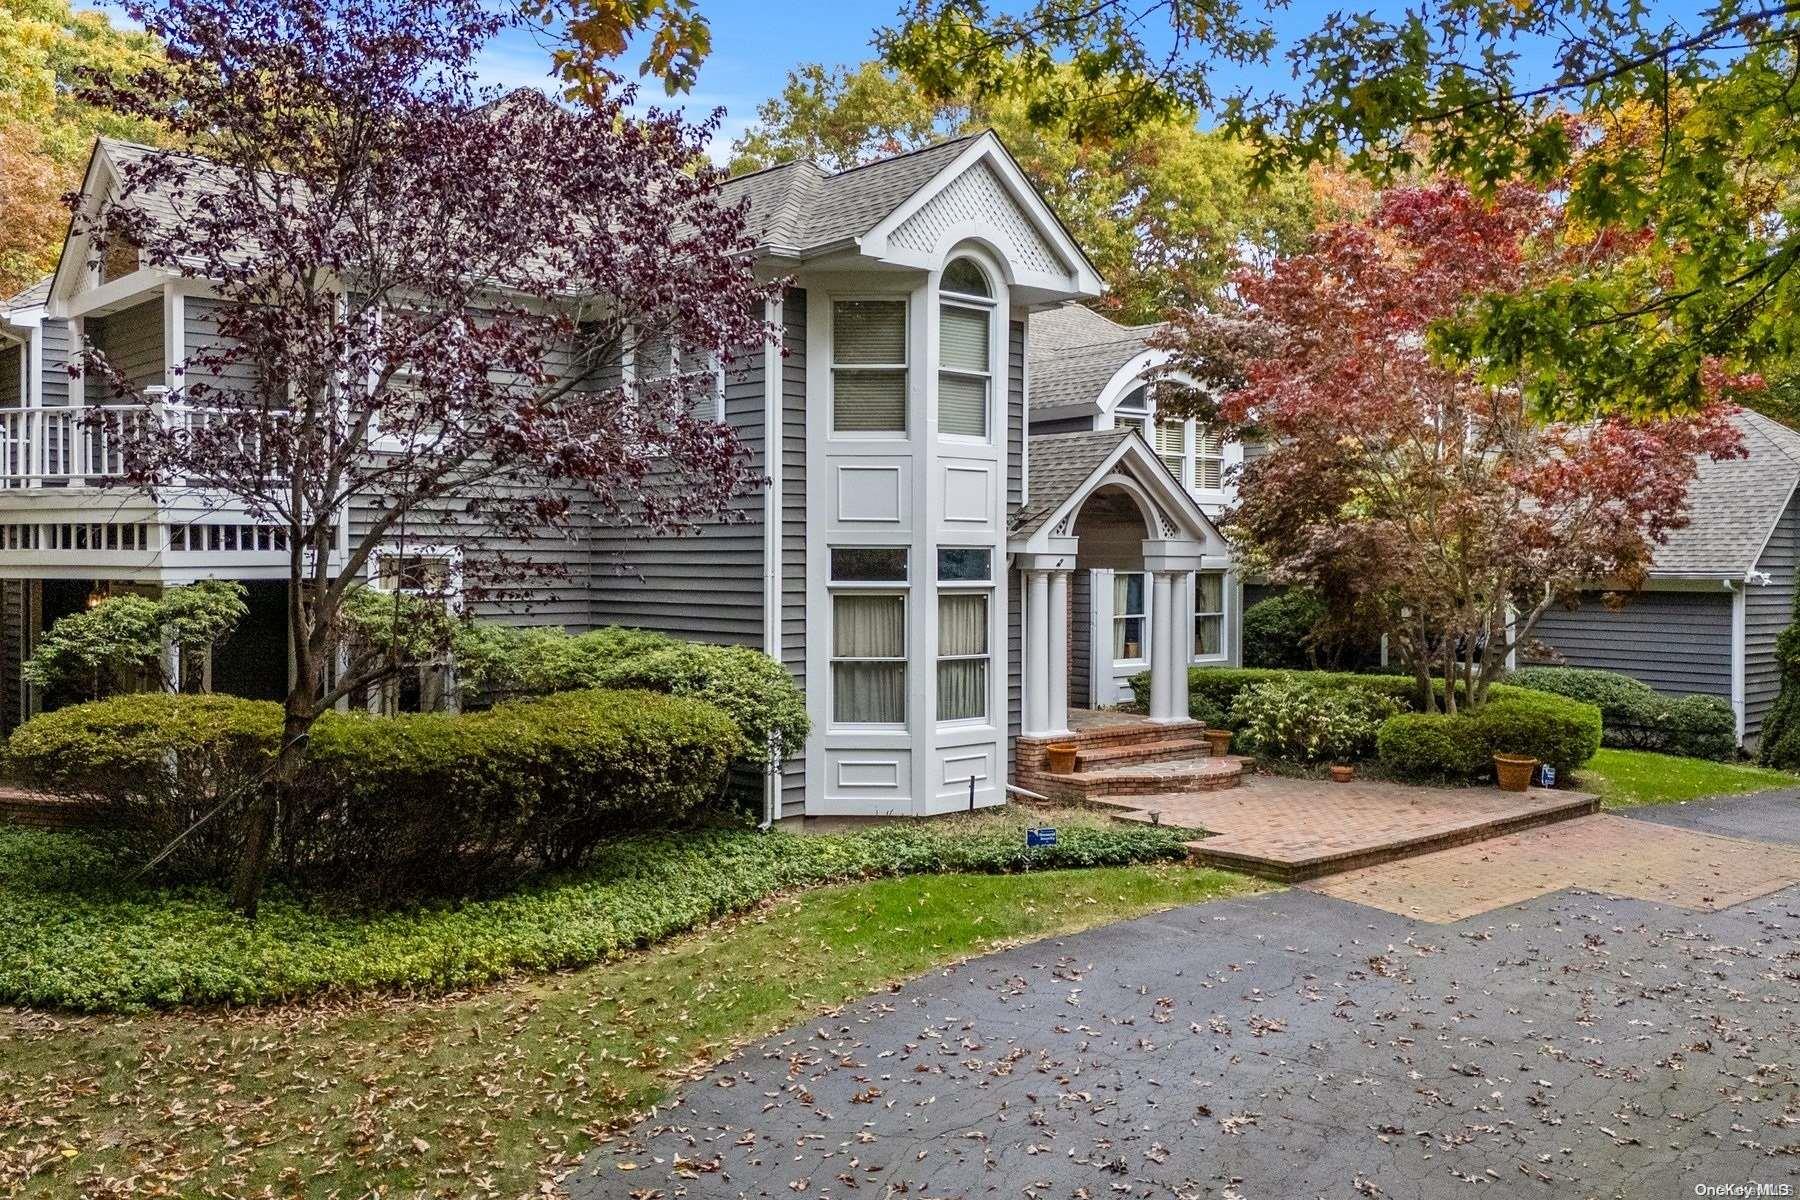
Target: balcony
80	445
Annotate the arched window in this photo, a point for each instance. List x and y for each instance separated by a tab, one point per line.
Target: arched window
965	369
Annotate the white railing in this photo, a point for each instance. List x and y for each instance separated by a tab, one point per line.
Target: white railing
62	447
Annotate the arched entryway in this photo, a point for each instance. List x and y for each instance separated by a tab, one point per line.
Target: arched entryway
1109	598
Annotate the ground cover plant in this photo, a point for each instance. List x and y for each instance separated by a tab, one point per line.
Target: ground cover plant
79	930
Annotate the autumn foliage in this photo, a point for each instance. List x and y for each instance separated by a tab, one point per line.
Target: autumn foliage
1415	490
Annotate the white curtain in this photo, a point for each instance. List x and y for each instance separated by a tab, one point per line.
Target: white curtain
1128	616
869	627
962	681
1209	613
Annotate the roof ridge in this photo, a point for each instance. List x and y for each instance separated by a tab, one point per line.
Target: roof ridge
1767	427
905	154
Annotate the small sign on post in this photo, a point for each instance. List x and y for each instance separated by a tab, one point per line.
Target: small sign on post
1041	836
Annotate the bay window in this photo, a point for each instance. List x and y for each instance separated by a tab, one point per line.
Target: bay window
965	368
965	578
868	366
868	635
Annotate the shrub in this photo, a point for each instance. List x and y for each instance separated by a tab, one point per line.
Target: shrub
391	805
1278	630
117	645
1216	689
1432	746
158	762
1636	716
496	663
1297	721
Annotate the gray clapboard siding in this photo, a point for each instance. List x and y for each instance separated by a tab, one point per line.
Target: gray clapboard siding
132	340
1081	638
58	348
1767	610
200	332
1016	432
793	523
12	395
1675	641
12	651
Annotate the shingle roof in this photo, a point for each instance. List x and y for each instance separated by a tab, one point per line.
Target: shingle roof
1733	505
1075	351
1060	463
31	297
798	207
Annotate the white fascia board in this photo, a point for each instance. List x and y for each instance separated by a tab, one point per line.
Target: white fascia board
1147	471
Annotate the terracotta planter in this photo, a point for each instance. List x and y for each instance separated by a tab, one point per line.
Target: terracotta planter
1059	758
1342	772
1219	741
1513	772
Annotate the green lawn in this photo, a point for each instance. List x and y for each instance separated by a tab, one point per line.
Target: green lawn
1629	777
493	1092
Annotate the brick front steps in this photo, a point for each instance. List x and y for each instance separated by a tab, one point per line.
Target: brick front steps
1127	758
1289	830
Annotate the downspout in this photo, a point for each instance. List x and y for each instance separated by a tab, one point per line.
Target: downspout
772	462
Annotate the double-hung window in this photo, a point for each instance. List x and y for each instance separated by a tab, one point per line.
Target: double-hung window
1209	614
1171	443
868	366
965	366
1209	459
965	577
868	635
1129	612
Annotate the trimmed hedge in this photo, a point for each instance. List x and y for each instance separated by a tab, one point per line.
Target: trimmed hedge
77	931
1277	631
1638	717
391	805
1434	746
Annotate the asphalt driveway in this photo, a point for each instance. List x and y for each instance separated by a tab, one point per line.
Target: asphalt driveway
1286	1045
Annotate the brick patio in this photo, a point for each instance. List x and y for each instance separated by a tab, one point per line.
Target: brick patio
1293	829
1612	855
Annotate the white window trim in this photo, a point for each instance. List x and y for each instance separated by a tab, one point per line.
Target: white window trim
903	368
988	307
1223	614
451	555
986	588
875	587
1117	617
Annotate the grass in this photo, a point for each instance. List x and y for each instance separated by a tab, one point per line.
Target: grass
495	1092
78	932
1624	778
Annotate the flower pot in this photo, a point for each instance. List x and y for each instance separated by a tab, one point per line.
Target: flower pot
1513	772
1219	741
1342	772
1059	758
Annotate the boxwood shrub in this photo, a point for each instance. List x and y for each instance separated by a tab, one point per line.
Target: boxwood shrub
1460	747
1637	717
392	806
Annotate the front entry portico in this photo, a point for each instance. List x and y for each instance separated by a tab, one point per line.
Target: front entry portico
1117	468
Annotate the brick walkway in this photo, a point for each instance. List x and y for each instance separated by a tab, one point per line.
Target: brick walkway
1614	856
1293	829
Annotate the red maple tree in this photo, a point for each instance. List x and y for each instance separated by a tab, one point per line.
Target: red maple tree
1412	488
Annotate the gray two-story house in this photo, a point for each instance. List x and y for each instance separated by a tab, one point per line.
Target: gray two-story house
974	524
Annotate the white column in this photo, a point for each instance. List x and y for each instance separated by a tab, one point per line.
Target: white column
1163	651
1037	653
1058	716
1181	622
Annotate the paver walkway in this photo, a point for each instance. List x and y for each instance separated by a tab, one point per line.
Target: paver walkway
1612	855
1292	829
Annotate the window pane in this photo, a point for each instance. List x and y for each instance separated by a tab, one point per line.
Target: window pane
869	401
962	689
963	339
1209	592
964	276
1171	438
962	405
963	623
869	331
1128	593
1209	635
961	564
869	564
868	626
1128	637
869	693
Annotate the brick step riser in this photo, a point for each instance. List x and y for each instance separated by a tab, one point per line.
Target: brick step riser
1121	735
1087	760
1136	788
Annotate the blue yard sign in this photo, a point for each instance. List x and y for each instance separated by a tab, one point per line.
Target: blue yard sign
1045	836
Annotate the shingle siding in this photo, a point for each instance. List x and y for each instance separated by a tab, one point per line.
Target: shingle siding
1767	610
793	524
1675	641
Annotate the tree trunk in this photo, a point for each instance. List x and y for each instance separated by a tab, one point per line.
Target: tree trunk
259	825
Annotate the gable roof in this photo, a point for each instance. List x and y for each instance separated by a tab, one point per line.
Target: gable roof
1733	505
1060	463
1076	352
1066	467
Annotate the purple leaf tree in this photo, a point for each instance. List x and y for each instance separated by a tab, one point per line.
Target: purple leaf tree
450	317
